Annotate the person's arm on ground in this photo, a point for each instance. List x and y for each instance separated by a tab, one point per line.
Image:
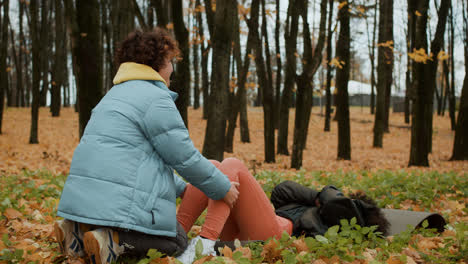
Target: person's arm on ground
292	192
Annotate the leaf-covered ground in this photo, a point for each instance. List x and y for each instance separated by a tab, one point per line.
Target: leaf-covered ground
58	138
32	177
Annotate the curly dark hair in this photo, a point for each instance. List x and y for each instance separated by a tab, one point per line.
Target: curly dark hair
152	48
373	214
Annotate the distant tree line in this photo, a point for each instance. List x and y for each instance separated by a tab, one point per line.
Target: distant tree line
226	51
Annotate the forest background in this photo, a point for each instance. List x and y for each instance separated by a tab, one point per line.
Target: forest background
249	79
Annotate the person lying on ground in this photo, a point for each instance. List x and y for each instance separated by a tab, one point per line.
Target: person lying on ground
120	195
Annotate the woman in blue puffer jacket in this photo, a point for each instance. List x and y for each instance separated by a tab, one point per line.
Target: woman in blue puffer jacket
120	195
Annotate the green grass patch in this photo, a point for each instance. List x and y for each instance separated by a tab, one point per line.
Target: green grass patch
388	188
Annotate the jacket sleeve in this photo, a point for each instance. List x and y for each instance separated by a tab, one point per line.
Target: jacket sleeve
180	185
292	192
166	130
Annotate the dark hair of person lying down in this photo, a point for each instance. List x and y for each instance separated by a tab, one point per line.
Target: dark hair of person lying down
373	215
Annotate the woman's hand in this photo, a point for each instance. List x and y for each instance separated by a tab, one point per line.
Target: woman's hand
232	194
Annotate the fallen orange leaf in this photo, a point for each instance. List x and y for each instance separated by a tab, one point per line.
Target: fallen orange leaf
11	213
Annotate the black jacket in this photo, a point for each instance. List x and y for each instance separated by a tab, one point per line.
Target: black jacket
297	203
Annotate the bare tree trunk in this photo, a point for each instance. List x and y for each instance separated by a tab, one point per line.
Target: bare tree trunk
44	39
161	12
436	47
123	22
342	78
410	39
329	68
60	58
196	62
460	143
451	97
88	60
13	101
213	146
236	103
264	75
3	57
150	14
181	83
424	78
304	84
22	45
36	68
290	36
371	46
384	69
278	64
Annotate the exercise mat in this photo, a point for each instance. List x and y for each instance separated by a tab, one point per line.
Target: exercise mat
400	219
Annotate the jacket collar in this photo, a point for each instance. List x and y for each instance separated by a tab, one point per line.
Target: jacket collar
136	71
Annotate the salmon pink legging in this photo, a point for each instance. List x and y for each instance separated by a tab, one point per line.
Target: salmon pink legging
251	218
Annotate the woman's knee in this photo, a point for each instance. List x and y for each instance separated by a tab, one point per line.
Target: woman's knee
233	163
234	169
215	162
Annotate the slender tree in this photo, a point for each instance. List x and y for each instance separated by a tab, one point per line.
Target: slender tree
162	12
371	46
460	143
329	68
213	146
45	46
88	59
304	85
290	37
238	101
451	97
36	70
3	57
22	43
14	98
384	68
196	60
410	38
342	78
204	51
278	63
264	78
423	83
59	59
181	83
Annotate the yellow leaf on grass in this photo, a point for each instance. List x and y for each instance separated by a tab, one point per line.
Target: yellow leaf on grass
226	251
246	253
11	213
270	252
300	245
394	260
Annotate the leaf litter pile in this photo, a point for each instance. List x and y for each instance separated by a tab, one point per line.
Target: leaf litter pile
33	177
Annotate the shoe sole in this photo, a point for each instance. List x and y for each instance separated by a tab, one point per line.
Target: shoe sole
59	236
91	247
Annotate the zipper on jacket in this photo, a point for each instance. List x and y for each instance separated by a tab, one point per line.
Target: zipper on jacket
152	218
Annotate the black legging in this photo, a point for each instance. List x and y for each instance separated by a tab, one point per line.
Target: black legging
138	244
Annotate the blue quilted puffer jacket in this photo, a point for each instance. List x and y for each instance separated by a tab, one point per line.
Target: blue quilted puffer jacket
122	172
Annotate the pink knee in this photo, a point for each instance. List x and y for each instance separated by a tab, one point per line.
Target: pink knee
215	162
233	168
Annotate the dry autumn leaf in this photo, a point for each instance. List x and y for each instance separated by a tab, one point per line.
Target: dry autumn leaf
271	251
11	213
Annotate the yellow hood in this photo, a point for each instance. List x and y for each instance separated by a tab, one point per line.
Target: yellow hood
136	71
